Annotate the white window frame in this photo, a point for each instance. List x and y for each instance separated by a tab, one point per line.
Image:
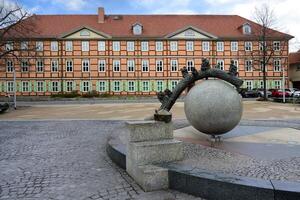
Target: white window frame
220	46
39	63
261	66
131	86
85	46
249	84
40	86
39	46
69	86
9	46
248	46
144	46
159	65
236	63
145	86
101	45
116	46
85	86
69	45
130	46
117	86
54	86
277	65
54	65
174	65
173	84
173	46
159	46
205	46
246	29
234	46
145	65
189	65
10	87
25	86
69	65
220	64
130	65
248	68
23	61
24	45
261	46
54	45
102	86
189	46
276	45
159	85
85	64
9	66
277	84
116	65
101	65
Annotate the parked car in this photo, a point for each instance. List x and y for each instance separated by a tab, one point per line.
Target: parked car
293	90
246	93
279	93
260	92
297	94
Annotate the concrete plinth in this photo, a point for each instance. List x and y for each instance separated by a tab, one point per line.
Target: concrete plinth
150	143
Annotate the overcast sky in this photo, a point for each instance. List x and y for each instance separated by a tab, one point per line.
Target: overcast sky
286	11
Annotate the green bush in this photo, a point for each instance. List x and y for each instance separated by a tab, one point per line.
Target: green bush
90	94
72	94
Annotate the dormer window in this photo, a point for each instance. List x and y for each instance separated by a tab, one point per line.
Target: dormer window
84	33
246	29
137	29
189	33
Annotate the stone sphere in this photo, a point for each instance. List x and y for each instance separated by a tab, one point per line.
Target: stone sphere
213	107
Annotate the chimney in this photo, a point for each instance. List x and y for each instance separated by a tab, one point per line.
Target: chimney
100	15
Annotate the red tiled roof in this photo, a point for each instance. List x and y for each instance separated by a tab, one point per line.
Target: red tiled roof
222	26
294	57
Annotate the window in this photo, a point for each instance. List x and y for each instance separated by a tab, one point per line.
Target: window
10	86
69	46
40	86
277	65
262	45
131	86
101	66
145	86
189	33
24	45
246	29
220	64
39	46
236	63
262	66
159	86
116	65
220	46
55	86
69	86
130	65
9	46
174	65
189	45
173	46
85	86
54	65
276	45
25	86
190	65
25	65
39	65
85	65
84	33
159	46
69	65
130	46
102	86
137	29
144	46
159	65
248	65
145	66
205	46
9	66
116	46
261	84
54	46
249	84
248	46
277	84
101	45
85	46
173	84
234	46
117	86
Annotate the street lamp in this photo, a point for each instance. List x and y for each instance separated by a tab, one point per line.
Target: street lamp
15	91
283	85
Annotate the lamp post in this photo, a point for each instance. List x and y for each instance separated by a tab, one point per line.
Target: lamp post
283	85
15	91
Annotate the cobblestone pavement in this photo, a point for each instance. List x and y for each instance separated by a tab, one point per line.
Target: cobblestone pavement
64	160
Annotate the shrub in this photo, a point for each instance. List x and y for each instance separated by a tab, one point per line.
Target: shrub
90	94
72	94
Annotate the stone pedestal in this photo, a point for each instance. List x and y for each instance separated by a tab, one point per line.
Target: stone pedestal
150	143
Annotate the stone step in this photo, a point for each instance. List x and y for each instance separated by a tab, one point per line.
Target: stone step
140	131
151	152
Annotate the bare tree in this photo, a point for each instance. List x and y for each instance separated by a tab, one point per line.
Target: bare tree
268	50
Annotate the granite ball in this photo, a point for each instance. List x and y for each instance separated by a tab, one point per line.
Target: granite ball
213	107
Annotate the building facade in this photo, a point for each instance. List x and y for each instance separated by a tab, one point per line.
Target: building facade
294	69
134	54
